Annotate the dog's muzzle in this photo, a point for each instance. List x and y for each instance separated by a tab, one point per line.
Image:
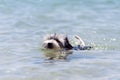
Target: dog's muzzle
50	45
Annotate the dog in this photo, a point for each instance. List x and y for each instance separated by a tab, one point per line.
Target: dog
55	41
60	42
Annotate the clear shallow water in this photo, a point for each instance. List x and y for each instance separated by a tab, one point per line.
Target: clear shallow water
23	23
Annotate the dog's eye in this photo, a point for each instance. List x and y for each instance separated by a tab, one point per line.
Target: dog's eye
60	43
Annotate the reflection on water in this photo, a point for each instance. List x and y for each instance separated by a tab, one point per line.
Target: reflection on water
57	54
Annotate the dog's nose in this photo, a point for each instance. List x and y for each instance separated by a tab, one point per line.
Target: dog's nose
50	45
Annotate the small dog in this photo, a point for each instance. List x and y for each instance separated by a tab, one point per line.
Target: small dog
56	42
61	42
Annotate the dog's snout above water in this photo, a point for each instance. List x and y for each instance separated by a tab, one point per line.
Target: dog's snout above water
55	41
50	45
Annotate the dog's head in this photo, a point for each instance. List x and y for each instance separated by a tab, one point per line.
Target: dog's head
54	41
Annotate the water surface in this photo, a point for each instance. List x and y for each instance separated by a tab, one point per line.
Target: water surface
23	24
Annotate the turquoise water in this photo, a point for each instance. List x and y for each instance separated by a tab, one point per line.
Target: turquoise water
23	24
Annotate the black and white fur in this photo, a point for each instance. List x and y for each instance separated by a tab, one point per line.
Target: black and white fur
60	41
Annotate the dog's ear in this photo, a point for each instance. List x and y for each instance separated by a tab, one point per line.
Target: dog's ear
67	44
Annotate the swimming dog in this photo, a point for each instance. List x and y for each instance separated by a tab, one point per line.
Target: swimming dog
55	41
61	42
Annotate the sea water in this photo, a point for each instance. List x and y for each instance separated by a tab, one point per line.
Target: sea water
24	23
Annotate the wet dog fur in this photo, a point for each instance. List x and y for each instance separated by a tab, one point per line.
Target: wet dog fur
60	43
55	41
